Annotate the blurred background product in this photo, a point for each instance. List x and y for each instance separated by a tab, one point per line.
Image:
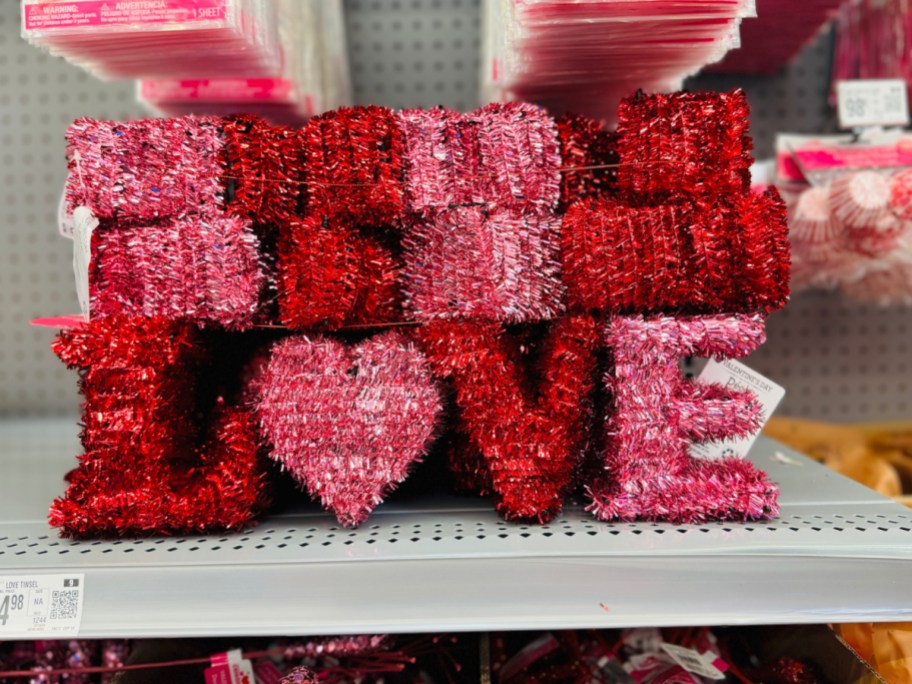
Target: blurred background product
171	39
313	78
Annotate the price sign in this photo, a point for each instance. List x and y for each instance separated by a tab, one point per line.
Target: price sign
33	607
873	102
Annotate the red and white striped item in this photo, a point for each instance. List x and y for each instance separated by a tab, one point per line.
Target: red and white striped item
776	36
586	55
160	39
872	40
855	234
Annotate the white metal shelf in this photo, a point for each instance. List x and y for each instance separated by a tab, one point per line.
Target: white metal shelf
839	552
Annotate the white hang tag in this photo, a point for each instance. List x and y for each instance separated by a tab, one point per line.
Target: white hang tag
872	102
734	375
64	220
694	662
84	223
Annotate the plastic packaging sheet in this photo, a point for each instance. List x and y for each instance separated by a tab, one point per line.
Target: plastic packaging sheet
793	24
585	55
313	76
160	38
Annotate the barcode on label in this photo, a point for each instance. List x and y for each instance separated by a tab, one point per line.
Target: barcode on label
64	604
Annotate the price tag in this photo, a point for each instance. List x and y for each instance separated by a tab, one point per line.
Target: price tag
873	102
733	375
35	607
694	662
84	222
230	668
64	220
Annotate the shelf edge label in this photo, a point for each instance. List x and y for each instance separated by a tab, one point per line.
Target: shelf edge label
38	606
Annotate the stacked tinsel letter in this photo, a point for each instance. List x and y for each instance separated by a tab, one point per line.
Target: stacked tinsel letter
499	289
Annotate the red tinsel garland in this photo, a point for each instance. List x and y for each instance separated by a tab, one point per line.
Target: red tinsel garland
355	168
683	143
589	159
331	275
532	441
691	257
264	169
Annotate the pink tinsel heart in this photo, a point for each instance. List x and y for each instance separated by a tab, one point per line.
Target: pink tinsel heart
348	421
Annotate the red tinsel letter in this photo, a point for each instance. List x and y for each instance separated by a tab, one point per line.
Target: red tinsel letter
143	470
532	440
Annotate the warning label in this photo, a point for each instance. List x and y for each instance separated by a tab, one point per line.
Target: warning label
66	15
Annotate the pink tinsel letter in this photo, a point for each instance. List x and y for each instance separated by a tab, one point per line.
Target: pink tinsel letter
658	412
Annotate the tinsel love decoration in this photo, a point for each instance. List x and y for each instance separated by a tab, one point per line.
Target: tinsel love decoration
348	421
532	435
648	473
457	224
331	274
684	143
469	262
145	469
145	170
205	269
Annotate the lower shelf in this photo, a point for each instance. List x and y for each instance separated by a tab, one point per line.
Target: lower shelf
838	553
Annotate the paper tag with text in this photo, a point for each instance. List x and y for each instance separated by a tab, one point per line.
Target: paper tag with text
872	102
694	662
84	222
736	376
41	606
230	668
64	220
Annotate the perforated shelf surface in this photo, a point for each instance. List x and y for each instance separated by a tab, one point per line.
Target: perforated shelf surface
839	552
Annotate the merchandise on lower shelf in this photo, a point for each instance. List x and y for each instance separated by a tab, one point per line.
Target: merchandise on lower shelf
689	655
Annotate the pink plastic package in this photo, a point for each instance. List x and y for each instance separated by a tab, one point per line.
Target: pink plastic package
850	215
584	56
158	38
313	76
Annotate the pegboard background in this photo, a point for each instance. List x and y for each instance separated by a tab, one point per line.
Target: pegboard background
839	361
